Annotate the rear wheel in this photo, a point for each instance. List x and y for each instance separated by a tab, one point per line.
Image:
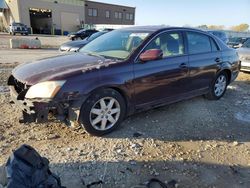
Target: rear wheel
218	87
102	112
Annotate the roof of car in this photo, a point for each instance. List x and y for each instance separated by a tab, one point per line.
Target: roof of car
154	28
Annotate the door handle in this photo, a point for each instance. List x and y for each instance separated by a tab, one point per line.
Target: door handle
183	66
218	60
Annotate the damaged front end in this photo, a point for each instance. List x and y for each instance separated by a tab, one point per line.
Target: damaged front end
43	110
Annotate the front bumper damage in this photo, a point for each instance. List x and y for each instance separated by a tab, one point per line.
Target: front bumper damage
43	110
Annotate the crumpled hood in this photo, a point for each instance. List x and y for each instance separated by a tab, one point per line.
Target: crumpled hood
57	68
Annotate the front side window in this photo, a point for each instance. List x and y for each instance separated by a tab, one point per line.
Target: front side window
198	43
116	44
171	44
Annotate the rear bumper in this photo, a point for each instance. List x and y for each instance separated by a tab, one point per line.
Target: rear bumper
245	66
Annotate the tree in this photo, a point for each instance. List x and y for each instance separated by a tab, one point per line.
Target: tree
202	26
240	28
216	27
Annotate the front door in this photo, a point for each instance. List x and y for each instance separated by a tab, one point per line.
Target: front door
164	79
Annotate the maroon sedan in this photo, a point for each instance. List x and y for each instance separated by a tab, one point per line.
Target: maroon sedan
122	72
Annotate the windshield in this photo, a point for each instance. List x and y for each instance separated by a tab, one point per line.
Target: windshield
117	44
246	44
95	35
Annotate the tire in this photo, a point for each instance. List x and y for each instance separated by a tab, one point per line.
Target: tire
99	115
218	87
14	33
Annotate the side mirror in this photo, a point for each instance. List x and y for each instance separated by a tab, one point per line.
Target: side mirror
150	55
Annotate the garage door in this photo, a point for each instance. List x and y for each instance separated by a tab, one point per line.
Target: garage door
70	21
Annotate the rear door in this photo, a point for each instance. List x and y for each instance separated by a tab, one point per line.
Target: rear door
165	79
204	57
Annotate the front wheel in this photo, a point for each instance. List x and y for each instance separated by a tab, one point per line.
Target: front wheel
218	87
102	112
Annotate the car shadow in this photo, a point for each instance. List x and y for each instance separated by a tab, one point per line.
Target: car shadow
128	174
195	119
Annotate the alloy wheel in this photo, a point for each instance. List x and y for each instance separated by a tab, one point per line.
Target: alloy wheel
105	113
220	85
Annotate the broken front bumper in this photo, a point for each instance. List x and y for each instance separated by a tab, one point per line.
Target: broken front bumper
32	111
43	110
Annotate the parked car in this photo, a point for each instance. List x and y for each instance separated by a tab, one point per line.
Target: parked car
122	72
244	53
82	34
220	34
236	42
20	28
108	29
74	46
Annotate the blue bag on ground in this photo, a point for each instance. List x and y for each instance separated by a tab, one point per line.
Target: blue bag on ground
27	169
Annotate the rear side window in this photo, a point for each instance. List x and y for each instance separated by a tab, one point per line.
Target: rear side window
214	46
198	43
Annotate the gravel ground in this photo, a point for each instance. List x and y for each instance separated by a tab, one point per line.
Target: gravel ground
197	143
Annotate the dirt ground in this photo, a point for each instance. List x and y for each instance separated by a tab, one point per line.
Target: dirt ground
197	143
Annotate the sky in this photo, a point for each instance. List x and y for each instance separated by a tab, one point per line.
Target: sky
188	12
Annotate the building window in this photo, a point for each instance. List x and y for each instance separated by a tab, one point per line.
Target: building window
120	15
107	14
131	16
127	16
116	15
92	12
